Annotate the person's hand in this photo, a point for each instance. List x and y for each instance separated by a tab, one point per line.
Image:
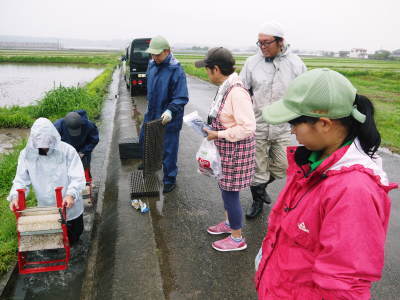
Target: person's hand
81	154
14	203
211	134
166	117
68	201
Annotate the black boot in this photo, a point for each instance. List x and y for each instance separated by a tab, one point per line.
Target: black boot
259	197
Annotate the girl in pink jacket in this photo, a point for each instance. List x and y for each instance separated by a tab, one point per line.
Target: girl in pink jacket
327	231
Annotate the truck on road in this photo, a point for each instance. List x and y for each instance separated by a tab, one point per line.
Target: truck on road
136	61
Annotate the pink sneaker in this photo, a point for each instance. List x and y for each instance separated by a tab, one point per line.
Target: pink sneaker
219	228
228	244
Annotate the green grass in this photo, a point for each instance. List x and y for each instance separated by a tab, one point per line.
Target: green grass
59	57
379	80
8	237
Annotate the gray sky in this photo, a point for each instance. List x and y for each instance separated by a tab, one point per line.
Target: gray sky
309	24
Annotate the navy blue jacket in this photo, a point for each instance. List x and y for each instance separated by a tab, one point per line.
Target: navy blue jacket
86	141
166	89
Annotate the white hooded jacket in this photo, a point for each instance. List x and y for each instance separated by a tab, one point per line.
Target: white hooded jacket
268	82
61	166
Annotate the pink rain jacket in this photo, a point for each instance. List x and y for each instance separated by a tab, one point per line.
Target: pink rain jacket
327	231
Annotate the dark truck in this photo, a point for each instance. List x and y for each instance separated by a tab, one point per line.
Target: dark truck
136	61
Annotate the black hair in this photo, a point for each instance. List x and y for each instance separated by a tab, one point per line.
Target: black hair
278	39
225	69
367	132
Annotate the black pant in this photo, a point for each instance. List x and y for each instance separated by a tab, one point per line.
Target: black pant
75	229
86	160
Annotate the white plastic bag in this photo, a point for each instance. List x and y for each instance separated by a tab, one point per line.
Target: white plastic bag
209	160
196	122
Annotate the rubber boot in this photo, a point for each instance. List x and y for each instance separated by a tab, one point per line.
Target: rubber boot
260	196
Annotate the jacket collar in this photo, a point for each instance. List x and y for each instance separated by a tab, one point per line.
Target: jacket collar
344	159
166	61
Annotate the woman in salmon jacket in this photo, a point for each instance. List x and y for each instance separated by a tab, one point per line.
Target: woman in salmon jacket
327	231
233	125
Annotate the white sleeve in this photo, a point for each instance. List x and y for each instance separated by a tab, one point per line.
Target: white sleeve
22	179
301	68
245	76
76	174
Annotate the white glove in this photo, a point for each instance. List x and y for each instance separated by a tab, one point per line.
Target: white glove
13	202
166	117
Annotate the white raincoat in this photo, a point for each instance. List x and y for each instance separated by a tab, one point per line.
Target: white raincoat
269	81
60	167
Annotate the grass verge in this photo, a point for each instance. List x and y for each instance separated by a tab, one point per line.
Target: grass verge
377	80
8	236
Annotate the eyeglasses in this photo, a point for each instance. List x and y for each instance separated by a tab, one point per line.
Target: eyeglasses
265	43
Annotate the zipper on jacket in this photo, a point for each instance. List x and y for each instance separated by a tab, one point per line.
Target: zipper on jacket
287	209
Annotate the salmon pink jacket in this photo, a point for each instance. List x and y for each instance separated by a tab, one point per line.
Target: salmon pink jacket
327	231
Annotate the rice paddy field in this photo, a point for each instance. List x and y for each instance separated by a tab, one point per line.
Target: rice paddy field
59	57
55	104
377	79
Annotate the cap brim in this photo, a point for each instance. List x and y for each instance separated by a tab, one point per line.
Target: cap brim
74	132
200	63
277	113
154	51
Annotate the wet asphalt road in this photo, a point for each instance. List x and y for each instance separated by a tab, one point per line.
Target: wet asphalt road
190	268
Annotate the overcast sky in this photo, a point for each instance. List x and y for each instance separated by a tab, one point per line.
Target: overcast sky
309	24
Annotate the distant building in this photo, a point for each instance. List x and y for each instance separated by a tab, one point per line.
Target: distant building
344	53
358	53
396	53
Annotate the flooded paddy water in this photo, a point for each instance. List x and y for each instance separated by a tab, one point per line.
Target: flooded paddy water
23	84
11	136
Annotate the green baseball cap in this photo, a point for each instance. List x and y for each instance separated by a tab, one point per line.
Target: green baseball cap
157	45
316	93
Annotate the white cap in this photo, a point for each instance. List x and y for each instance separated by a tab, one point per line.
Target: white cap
272	28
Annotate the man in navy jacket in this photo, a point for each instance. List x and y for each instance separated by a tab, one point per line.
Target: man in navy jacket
76	130
167	95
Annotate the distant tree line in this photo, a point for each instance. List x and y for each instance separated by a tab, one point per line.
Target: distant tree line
198	48
385	55
379	54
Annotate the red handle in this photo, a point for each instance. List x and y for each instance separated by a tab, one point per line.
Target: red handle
21	199
59	201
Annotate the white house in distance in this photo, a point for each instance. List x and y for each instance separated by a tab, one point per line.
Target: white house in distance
358	53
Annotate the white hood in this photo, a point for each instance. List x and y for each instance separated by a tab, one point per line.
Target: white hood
61	166
43	135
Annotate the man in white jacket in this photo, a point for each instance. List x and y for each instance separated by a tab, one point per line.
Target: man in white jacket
267	75
46	163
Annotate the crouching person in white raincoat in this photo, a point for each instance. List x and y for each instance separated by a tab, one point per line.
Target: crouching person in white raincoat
46	163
